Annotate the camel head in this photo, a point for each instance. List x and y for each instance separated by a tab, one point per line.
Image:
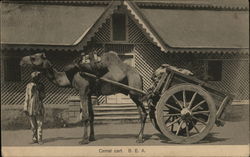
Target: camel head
37	61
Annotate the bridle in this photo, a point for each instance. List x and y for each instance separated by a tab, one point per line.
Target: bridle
42	70
31	61
36	66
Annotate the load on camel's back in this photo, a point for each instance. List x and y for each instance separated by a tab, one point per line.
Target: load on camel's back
109	66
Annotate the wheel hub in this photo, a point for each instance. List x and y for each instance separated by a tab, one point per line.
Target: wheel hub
186	114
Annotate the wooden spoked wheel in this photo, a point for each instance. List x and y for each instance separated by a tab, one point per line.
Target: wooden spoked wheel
185	113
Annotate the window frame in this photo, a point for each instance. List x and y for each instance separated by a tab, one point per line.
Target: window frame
126	28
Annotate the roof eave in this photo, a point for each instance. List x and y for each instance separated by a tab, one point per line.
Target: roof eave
192	6
134	10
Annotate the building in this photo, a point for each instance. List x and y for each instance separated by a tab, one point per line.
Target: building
211	38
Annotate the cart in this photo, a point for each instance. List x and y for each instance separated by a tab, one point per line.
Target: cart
182	107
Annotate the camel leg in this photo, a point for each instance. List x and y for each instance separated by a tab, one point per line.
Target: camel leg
91	119
143	116
84	116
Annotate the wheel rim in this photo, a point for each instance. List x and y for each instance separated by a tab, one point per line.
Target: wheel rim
185	113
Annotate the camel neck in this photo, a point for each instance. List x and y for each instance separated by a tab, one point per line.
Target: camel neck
57	78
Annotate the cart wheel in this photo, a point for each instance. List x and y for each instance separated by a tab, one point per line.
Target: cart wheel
185	113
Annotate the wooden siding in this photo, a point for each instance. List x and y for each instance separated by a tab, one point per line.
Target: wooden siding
13	92
104	32
235	70
235	78
135	35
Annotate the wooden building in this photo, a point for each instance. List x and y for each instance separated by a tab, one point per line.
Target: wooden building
211	38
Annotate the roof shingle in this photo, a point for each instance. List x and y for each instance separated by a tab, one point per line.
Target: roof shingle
46	24
200	28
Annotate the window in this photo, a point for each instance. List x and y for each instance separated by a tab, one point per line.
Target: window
128	59
12	70
214	70
119	27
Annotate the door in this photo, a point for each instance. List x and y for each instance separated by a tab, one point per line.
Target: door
121	98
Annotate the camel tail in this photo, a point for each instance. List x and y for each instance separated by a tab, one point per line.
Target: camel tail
141	82
142	85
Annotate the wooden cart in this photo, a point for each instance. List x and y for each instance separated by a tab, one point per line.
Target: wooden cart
182	107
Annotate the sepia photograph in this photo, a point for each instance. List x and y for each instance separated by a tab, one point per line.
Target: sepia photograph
124	78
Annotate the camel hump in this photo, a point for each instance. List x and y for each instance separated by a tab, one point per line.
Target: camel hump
110	57
112	52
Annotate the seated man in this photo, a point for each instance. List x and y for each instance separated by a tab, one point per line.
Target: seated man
108	66
91	63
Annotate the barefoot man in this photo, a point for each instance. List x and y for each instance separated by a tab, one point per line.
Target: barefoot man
33	106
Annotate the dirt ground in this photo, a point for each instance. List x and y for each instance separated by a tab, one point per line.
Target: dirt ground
233	133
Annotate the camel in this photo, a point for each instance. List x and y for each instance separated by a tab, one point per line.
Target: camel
86	86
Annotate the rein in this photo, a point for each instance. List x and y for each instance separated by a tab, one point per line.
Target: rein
42	70
31	61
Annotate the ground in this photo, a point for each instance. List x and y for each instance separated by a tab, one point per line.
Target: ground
233	133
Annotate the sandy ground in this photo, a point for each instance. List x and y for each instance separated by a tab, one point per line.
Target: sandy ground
233	133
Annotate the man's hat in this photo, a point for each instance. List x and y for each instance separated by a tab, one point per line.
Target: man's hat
35	74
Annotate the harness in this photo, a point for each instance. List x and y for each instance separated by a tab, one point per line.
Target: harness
42	70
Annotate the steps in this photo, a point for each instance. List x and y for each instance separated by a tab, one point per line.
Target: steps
119	99
107	112
120	108
114	112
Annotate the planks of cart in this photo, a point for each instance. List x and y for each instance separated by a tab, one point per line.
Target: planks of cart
181	107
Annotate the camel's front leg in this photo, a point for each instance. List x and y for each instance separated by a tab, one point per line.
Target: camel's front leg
91	119
84	115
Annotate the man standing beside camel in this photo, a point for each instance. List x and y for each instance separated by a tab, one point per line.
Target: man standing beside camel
33	106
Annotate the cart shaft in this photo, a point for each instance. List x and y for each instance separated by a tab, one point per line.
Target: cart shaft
115	83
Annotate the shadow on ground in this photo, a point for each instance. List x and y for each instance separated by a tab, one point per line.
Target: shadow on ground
48	140
116	136
98	137
210	138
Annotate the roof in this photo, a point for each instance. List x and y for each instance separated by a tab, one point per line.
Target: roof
200	28
192	4
195	4
183	26
46	24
